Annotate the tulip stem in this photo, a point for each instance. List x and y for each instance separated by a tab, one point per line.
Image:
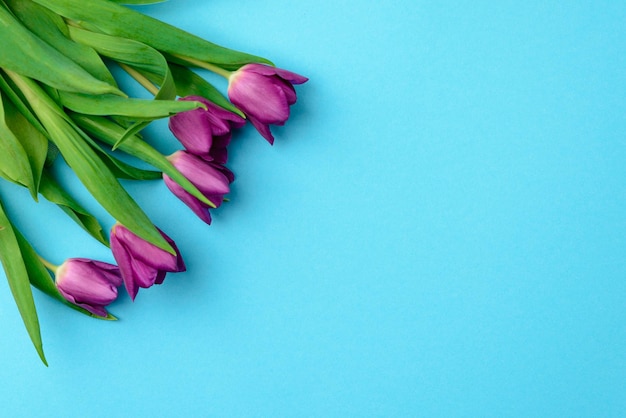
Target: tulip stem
140	78
53	268
207	66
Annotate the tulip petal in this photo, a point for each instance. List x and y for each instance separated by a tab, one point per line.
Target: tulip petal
289	90
260	97
124	261
193	130
200	209
146	252
224	170
180	263
218	156
263	129
142	264
268	70
109	271
202	174
88	283
196	129
160	277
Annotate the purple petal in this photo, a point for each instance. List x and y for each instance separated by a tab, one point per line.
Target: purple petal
290	92
86	282
180	264
224	170
160	277
261	97
218	155
268	70
263	129
199	208
124	261
235	121
193	129
110	271
98	310
202	174
143	251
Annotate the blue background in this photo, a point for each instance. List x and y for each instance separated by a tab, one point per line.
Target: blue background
439	229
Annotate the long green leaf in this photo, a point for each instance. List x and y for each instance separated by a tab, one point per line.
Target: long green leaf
51	28
114	19
14	163
17	276
7	86
25	53
108	131
136	58
123	170
89	168
34	142
53	192
130	52
108	104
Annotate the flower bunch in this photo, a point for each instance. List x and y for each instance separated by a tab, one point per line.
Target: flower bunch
59	100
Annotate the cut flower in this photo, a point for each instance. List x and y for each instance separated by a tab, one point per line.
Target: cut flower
208	177
141	263
90	284
205	132
264	93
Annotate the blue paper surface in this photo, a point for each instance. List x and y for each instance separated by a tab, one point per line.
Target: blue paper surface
439	229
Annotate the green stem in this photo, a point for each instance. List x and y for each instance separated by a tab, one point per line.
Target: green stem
52	267
147	84
207	66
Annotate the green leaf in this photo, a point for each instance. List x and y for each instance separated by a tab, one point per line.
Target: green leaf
18	100
137	59
51	28
108	131
129	52
105	105
122	170
14	162
34	142
41	278
89	168
24	52
17	276
54	193
119	168
114	19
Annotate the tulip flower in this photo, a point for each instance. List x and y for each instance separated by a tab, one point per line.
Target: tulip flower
141	263
205	132
264	93
90	284
208	177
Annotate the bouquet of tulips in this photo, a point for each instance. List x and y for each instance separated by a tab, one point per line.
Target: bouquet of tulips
60	100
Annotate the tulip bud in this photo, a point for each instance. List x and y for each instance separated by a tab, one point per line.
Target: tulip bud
264	93
141	263
90	284
205	132
208	177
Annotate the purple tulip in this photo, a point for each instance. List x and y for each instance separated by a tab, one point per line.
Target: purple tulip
142	264
264	94
208	177
205	133
90	284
